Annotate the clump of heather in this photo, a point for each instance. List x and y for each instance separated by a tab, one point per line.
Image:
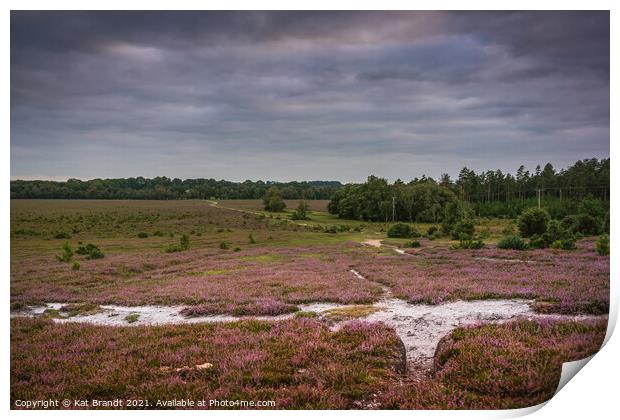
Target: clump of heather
560	282
499	366
297	363
211	277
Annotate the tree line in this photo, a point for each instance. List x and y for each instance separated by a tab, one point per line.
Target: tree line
488	194
164	188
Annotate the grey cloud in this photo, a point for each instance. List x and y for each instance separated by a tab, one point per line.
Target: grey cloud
334	95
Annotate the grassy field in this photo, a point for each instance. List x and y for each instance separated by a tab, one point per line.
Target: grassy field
241	260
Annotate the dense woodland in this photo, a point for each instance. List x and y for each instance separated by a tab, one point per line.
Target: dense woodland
164	188
490	193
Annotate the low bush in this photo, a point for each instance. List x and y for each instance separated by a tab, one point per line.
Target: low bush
602	245
91	251
512	242
412	244
565	244
467	242
587	225
183	245
400	230
143	235
224	245
532	221
464	228
67	253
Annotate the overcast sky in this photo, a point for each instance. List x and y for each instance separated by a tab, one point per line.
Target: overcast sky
305	95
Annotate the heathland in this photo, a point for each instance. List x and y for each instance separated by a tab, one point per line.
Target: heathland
269	306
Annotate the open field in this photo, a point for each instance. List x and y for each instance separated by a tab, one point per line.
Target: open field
324	289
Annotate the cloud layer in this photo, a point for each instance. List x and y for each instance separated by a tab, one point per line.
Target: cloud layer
304	95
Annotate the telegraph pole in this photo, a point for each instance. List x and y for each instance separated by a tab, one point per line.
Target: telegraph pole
393	209
538	191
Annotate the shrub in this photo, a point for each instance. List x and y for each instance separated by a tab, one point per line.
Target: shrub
537	242
184	242
143	235
224	245
273	200
251	238
464	228
533	220
412	244
91	251
331	229
183	245
62	235
602	245
302	211
586	224
467	242
512	242
415	233
75	265
592	207
399	230
237	249
454	212
432	231
67	253
565	244
158	233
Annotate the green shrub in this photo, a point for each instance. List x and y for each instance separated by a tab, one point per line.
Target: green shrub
565	244
454	212
158	233
183	245
184	242
602	245
62	235
592	207
399	230
224	245
587	225
251	238
464	228
75	265
467	242
237	249
301	213
331	229
67	253
532	221
143	235
91	251
412	244
432	231
537	242
512	242
273	200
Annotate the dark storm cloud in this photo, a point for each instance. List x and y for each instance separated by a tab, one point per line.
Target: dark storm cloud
304	95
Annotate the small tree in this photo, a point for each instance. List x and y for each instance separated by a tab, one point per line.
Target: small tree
302	211
67	253
399	230
533	221
273	200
